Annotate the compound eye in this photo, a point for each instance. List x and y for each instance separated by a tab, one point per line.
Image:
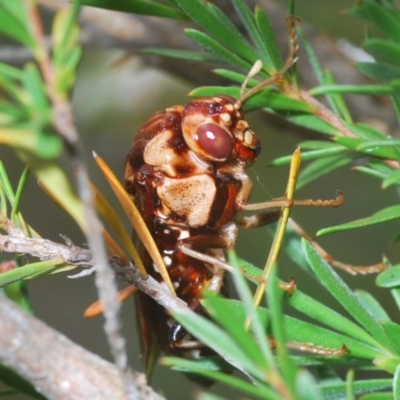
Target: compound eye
215	141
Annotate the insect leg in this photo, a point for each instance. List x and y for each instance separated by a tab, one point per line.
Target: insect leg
284	202
351	269
208	242
274	210
312	348
270	216
256	220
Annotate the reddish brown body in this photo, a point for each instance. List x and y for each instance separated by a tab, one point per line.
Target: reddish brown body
185	172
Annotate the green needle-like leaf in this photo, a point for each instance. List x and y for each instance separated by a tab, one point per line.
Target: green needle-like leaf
338	390
6	188
299	331
286	365
386	214
392	330
13	380
30	270
383	50
249	22
309	155
8	76
259	391
388	364
277	101
311	307
16	9
256	326
363	146
181	54
322	166
336	101
137	7
380	167
393	178
216	307
217	339
313	122
379	71
267	98
396	383
215	48
235	33
389	278
349	385
18	194
235	76
268	38
201	13
312	58
385	18
318	311
336	286
35	87
372	305
40	144
367	132
391	88
383	148
13	28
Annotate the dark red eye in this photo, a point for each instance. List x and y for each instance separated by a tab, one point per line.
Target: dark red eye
214	140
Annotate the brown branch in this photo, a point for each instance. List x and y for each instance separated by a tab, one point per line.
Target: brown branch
326	114
62	370
16	242
63	122
24	341
44	249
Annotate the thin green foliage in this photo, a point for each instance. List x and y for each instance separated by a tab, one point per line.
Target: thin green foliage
367	332
18	194
345	296
138	7
20	385
386	214
288	369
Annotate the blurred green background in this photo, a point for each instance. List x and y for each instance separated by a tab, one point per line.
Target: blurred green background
110	104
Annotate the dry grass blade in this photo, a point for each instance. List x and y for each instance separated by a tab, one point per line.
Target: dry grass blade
105	209
136	220
280	231
97	307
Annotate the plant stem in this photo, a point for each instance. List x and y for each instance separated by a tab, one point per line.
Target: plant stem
63	122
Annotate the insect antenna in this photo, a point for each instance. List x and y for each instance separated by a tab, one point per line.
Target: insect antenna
291	59
255	69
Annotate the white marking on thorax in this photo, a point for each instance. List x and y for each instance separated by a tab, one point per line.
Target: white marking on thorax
226	118
175	285
183	234
167	261
158	152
